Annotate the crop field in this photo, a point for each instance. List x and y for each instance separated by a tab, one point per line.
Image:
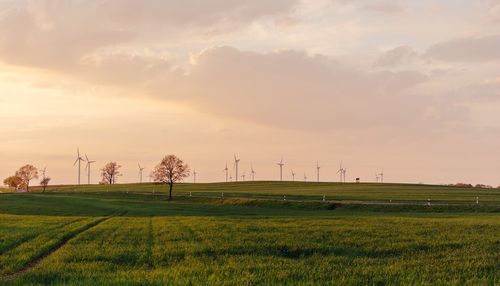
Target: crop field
126	235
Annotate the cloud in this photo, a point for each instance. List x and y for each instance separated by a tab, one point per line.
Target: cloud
293	90
288	89
471	49
120	69
396	56
387	6
487	91
56	34
30	40
494	11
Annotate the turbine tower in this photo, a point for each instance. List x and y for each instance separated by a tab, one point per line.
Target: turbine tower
140	172
227	173
236	163
43	172
305	177
342	171
194	176
317	169
293	176
87	167
253	174
377	177
243	176
78	160
381	176
281	164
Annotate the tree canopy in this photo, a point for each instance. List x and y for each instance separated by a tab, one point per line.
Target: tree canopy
170	170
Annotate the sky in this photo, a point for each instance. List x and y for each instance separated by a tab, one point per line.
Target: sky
410	87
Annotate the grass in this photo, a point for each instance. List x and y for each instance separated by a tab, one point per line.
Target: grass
96	237
308	191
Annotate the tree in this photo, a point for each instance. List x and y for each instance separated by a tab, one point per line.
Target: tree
27	173
13	182
170	170
110	172
44	183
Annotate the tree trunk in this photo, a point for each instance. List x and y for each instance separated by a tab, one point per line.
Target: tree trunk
171	185
28	187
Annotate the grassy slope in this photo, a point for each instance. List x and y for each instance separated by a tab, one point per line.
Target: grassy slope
313	191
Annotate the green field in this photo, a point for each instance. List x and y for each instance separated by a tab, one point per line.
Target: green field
131	235
309	191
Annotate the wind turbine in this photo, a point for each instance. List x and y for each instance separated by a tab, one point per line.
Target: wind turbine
293	176
305	177
281	164
78	160
253	174
43	172
87	167
317	169
243	176
227	172
341	172
140	172
381	176
236	163
194	176
377	177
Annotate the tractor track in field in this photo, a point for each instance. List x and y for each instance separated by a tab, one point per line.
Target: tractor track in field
150	246
65	239
32	237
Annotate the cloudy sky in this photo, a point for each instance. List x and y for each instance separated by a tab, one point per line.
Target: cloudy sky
409	86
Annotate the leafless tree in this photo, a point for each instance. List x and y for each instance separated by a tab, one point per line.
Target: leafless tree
13	182
27	173
170	170
110	172
44	183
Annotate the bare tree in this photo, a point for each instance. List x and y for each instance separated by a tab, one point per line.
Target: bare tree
44	183
110	172
13	182
170	170
27	173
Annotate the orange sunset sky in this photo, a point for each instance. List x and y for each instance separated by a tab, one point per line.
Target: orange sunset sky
409	86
